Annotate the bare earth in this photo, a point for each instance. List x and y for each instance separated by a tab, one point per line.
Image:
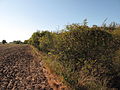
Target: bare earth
20	69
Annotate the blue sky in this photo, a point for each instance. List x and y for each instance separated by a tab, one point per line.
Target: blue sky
20	18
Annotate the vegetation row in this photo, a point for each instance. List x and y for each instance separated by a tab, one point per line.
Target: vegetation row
85	57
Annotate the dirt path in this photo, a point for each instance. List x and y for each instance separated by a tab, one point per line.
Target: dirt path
20	69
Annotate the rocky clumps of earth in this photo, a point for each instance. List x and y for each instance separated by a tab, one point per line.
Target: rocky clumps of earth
21	69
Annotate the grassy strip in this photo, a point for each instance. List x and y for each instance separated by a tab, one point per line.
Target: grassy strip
54	68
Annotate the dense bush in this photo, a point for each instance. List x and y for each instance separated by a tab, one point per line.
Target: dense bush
86	54
46	42
40	40
34	40
26	42
89	44
89	52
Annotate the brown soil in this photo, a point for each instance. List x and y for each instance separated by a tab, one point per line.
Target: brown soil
21	69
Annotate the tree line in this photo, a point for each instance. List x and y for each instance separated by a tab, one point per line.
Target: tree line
14	42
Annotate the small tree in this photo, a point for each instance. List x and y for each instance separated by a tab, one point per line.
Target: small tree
4	41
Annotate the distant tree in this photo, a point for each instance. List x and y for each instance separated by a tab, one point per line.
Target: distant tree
17	42
4	41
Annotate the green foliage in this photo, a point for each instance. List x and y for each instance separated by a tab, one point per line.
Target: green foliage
76	26
40	40
84	56
34	40
84	45
77	47
46	42
26	42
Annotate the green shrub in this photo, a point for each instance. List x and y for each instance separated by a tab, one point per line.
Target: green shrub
79	45
96	47
26	42
41	40
34	40
84	56
46	42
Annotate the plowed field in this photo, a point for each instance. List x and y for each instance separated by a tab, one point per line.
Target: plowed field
20	69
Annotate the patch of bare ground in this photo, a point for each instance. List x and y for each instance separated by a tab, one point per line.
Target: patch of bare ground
21	69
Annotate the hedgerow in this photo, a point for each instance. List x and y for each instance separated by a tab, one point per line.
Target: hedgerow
86	54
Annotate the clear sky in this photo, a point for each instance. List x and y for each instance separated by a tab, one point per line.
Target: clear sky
20	18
